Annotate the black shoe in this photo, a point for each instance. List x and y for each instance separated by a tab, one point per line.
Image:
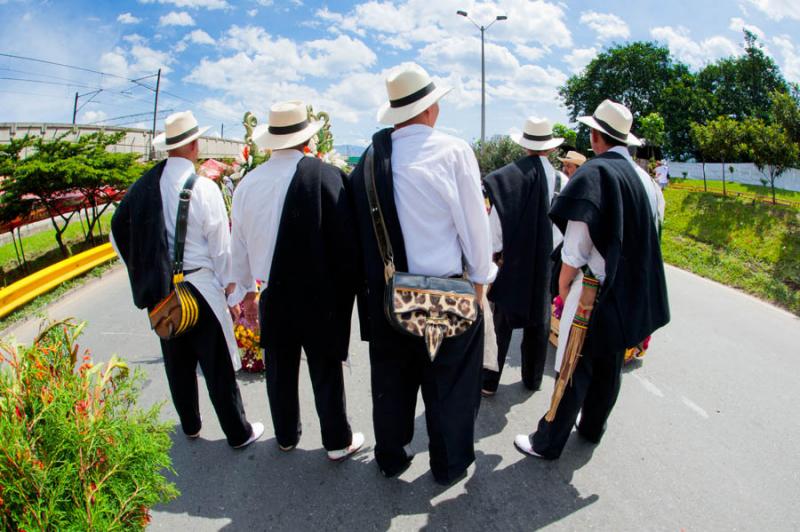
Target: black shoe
397	470
450	481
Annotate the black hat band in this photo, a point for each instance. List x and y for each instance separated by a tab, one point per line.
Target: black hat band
288	130
537	138
413	97
619	135
183	136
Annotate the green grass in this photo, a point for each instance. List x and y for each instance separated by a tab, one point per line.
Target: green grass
35	307
748	245
733	188
41	249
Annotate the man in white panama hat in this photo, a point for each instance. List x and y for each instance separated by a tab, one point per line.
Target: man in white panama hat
143	233
608	214
519	197
428	185
292	230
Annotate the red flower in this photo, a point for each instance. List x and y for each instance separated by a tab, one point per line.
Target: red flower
306	149
246	153
18	411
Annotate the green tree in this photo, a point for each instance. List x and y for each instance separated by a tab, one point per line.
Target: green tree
721	140
651	127
638	75
785	111
742	86
771	149
569	135
496	152
59	167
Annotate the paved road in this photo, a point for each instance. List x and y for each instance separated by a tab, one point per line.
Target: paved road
702	438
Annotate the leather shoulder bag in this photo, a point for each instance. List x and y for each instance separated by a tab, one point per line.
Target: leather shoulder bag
178	312
433	308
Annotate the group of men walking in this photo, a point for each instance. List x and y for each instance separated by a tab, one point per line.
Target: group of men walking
303	245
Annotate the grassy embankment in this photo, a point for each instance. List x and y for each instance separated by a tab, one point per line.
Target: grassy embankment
746	244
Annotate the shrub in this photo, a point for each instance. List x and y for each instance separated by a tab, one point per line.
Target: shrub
496	152
76	453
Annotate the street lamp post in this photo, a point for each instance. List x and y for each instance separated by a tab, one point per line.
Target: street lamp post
483	67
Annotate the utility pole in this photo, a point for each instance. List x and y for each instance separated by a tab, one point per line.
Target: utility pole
75	109
483	66
155	116
483	89
222	131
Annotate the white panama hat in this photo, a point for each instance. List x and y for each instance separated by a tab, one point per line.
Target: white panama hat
537	135
410	91
573	157
613	119
179	130
288	126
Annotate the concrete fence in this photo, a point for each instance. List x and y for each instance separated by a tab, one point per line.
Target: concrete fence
135	140
745	173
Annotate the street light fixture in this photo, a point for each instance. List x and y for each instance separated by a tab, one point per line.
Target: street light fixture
483	66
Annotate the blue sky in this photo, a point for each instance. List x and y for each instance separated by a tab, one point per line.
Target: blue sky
221	58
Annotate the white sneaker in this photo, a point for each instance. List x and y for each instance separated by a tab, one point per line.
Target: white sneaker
355	444
258	430
523	444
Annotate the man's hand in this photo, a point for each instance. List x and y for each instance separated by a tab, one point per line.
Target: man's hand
479	294
235	312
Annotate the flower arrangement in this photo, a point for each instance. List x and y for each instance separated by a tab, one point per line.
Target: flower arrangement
248	338
76	453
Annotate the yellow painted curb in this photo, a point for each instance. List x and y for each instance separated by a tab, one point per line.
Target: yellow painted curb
24	290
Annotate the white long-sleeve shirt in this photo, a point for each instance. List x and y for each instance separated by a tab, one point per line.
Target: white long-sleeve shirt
440	205
256	217
207	234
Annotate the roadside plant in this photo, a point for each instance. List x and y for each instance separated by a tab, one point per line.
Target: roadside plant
77	453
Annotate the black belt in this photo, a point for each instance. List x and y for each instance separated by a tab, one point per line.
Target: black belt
188	272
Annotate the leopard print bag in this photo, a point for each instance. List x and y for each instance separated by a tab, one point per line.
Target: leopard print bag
433	308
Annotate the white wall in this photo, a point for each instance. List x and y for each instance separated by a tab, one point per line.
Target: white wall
136	140
745	173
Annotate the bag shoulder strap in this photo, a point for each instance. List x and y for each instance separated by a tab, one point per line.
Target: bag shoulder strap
180	227
376	214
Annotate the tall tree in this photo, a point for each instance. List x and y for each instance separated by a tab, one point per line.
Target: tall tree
638	75
742	86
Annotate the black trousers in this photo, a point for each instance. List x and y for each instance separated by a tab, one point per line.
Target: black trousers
205	344
533	351
594	391
400	366
327	381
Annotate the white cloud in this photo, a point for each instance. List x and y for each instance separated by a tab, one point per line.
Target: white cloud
694	53
127	18
738	25
791	57
423	21
529	53
462	55
578	58
90	117
139	60
778	9
606	25
175	18
192	4
200	37
252	12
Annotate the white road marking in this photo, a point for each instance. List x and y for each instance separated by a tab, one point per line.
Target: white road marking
695	407
649	386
